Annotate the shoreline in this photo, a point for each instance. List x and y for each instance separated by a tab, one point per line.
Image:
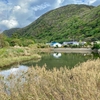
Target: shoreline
7	61
73	50
16	55
10	61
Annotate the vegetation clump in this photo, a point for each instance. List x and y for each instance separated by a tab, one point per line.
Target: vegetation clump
96	46
80	83
17	54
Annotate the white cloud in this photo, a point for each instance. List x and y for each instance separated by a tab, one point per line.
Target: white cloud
92	1
41	7
16	8
96	3
58	3
9	23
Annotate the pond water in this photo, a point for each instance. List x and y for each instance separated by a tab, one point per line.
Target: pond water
52	60
60	60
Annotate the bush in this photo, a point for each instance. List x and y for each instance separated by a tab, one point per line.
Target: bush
27	42
42	45
96	46
15	42
65	46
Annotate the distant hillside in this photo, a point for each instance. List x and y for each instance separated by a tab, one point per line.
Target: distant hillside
78	22
10	31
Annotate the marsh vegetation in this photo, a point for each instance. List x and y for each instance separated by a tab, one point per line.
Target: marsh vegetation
12	55
37	83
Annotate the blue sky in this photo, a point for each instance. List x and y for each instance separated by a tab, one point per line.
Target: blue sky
20	13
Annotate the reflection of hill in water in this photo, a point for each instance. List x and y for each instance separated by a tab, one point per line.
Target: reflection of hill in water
65	59
60	60
27	63
30	63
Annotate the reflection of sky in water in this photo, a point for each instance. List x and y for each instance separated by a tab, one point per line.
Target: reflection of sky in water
55	59
14	71
17	72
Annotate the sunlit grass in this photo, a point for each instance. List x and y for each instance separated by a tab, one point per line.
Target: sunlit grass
13	55
80	83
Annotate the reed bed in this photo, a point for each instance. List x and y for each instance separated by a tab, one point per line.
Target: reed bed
12	55
12	60
37	83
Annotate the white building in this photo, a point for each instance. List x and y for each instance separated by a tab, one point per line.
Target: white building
57	45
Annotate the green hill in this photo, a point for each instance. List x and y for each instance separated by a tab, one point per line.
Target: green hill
78	22
10	31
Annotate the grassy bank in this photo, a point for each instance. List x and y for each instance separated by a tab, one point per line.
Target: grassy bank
14	55
79	83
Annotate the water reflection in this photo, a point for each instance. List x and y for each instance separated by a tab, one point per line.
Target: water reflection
57	55
65	59
13	71
11	77
51	60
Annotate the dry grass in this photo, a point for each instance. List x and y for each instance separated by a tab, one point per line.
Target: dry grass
79	83
14	55
12	60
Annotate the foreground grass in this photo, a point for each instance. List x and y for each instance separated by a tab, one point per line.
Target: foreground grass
13	55
79	83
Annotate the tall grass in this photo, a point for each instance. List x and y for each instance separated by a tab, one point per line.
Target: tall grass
13	55
80	83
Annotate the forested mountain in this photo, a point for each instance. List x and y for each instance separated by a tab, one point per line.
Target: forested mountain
78	22
10	31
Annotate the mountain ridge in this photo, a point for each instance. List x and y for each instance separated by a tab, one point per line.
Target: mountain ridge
79	22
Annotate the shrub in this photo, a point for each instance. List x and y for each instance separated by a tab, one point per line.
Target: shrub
42	45
27	42
96	46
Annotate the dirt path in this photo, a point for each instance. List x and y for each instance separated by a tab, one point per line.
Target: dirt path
72	50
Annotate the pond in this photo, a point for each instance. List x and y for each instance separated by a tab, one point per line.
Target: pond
61	59
52	60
